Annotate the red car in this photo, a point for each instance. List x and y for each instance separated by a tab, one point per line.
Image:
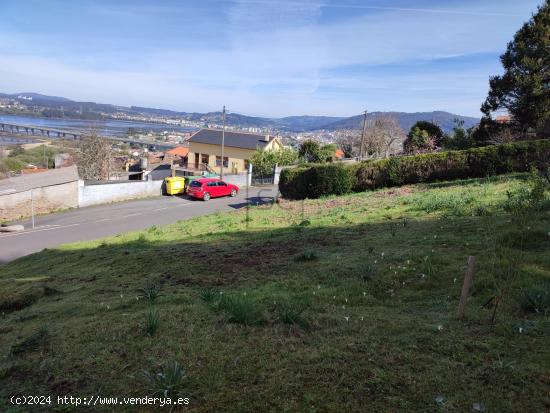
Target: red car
206	188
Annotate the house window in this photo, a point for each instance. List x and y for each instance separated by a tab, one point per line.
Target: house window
225	161
205	158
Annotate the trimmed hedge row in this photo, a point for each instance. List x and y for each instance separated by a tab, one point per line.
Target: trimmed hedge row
336	179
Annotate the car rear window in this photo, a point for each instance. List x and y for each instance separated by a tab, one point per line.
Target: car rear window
195	184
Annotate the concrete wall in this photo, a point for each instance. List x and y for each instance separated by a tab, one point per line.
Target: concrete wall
117	191
239	180
46	199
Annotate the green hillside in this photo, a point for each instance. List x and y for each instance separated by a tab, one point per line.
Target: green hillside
333	305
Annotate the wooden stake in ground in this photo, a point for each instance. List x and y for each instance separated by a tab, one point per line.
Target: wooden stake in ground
466	286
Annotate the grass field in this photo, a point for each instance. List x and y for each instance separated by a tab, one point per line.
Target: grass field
333	305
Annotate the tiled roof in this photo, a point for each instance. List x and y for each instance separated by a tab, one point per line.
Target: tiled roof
232	139
179	151
25	182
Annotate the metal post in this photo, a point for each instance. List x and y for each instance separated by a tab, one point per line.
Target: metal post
223	140
32	210
363	136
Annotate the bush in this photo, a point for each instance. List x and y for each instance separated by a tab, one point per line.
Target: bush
316	181
332	179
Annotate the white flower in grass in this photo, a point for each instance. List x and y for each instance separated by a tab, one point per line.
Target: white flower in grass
361	318
318	287
521	330
244	293
121	295
439	327
346	300
364	293
347	318
454	280
382	254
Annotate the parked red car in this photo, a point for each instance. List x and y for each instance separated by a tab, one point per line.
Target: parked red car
206	188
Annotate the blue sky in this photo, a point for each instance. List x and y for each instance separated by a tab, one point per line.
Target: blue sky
260	57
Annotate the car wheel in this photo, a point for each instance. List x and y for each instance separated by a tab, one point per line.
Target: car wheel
233	192
206	196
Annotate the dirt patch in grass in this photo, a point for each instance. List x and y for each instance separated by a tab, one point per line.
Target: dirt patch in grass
401	191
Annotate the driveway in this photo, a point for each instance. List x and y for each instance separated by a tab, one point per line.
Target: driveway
104	220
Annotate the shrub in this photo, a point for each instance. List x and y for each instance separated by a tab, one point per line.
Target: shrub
336	179
316	181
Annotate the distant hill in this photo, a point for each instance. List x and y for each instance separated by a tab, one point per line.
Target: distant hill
60	107
445	120
34	97
305	122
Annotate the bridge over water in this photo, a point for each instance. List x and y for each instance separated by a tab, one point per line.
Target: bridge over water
74	134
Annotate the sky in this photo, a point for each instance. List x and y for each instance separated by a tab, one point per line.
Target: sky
260	57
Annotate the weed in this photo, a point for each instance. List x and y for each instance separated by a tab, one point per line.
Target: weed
536	299
366	271
427	266
307	255
209	295
291	313
152	322
242	309
167	381
33	342
151	291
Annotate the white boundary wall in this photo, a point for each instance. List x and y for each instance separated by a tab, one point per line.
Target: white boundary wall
105	193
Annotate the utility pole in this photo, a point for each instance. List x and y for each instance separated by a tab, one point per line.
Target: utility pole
363	136
223	140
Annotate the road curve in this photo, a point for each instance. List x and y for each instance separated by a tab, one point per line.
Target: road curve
104	220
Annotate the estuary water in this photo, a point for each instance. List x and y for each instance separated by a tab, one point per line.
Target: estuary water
104	128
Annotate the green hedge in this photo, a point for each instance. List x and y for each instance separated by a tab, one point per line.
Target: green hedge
335	179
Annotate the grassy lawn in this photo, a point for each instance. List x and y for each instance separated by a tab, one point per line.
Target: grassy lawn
334	305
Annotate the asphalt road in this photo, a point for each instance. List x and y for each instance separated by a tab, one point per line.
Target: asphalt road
104	220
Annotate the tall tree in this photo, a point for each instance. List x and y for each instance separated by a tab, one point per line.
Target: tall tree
423	137
524	88
384	136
